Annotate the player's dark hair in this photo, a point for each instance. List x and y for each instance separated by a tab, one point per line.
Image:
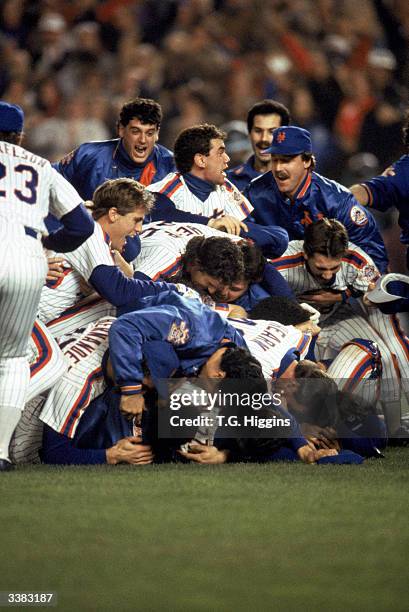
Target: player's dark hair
146	110
309	157
268	107
125	194
279	308
315	392
405	131
327	237
309	369
254	261
239	363
11	137
217	256
194	140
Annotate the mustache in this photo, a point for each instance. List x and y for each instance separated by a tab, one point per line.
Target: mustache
281	175
263	145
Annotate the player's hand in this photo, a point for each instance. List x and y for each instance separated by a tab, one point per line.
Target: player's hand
228	224
314	313
321	437
123	265
389	171
366	298
132	406
129	450
205	454
55	268
237	312
306	454
322	297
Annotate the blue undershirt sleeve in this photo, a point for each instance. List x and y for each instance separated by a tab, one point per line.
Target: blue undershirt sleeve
77	226
165	210
119	290
60	450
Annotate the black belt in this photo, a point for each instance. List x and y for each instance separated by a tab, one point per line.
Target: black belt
30	232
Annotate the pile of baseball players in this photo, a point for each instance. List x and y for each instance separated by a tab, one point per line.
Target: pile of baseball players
125	265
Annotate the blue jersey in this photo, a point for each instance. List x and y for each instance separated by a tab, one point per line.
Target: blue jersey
272	283
387	191
317	197
92	163
194	331
243	174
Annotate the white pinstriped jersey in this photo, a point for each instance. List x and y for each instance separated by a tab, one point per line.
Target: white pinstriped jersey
67	291
47	363
269	342
356	272
224	200
163	243
31	188
82	382
354	370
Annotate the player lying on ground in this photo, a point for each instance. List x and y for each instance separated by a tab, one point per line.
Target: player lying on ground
356	369
29	188
200	193
69	399
328	271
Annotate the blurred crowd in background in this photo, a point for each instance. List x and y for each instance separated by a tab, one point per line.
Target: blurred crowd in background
341	66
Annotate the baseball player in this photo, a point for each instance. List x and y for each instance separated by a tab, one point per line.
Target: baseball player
29	187
47	366
135	154
262	119
327	271
200	193
229	271
391	189
166	251
293	196
69	302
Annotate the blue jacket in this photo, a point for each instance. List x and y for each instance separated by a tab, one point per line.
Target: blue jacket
243	174
316	197
194	331
92	163
387	191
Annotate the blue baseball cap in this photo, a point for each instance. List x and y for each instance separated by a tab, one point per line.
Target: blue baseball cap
290	140
11	117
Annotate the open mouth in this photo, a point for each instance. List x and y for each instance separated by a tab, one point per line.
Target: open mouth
140	151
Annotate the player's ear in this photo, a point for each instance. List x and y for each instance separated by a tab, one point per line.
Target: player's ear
305	255
200	160
113	214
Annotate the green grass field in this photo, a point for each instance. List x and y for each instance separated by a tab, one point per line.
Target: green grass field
209	538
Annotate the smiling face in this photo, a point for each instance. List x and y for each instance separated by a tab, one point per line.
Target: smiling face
138	139
219	291
212	167
323	268
289	171
121	226
261	137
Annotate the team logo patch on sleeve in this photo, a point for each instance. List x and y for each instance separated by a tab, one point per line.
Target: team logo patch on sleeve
358	216
368	273
178	333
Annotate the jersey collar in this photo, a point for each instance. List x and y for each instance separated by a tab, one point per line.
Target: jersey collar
304	186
